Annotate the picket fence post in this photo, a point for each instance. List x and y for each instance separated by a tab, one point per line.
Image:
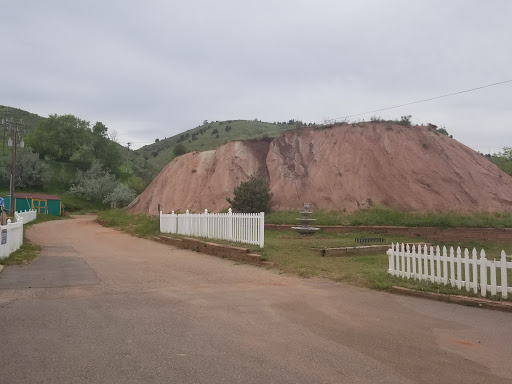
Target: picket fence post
504	279
475	271
483	274
459	269
261	219
492	267
391	259
466	269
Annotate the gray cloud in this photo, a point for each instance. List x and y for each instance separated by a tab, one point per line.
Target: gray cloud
156	68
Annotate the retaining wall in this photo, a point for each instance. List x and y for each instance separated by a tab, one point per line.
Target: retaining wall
219	250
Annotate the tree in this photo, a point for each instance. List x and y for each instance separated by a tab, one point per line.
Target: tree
503	160
31	171
136	183
83	157
58	137
142	168
104	150
5	173
121	196
112	135
179	150
94	184
251	196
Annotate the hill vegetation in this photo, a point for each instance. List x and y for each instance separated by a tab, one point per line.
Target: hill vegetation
503	159
30	120
60	150
210	135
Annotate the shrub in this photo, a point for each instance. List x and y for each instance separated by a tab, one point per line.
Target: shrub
94	184
405	120
443	131
121	196
251	196
179	150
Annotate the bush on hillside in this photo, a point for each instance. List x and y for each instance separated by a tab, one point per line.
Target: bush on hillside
251	196
94	184
179	150
121	196
31	171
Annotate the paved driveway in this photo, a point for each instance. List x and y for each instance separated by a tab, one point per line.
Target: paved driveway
100	306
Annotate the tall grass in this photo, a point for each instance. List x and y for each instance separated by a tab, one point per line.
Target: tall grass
137	225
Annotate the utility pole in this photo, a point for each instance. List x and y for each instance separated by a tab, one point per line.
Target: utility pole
4	120
14	128
127	153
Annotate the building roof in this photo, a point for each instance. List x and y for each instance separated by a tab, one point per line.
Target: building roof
40	196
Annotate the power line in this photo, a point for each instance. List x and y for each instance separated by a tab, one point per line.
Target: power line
422	101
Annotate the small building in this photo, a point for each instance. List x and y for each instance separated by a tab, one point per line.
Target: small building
43	204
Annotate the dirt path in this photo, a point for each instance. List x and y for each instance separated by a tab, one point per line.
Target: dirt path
153	313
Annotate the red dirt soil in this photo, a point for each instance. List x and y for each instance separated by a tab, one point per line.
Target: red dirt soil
343	167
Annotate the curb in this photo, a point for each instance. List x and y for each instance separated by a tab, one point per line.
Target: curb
1	267
456	299
213	249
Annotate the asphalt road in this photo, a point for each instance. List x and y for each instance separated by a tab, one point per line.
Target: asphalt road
99	306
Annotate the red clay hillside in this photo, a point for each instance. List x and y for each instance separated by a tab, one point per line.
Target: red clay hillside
349	166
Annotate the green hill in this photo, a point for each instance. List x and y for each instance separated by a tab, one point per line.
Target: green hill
29	119
210	135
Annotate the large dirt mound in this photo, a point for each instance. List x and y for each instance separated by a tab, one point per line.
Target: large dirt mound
202	180
344	167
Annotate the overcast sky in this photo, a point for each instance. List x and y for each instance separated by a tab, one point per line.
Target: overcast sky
151	69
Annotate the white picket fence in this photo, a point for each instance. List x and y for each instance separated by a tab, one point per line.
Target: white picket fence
454	267
11	237
245	228
28	216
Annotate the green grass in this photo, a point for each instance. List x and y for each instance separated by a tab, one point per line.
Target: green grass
298	256
28	251
384	216
77	205
136	225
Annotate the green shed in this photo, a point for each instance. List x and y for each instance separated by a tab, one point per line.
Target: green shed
43	204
